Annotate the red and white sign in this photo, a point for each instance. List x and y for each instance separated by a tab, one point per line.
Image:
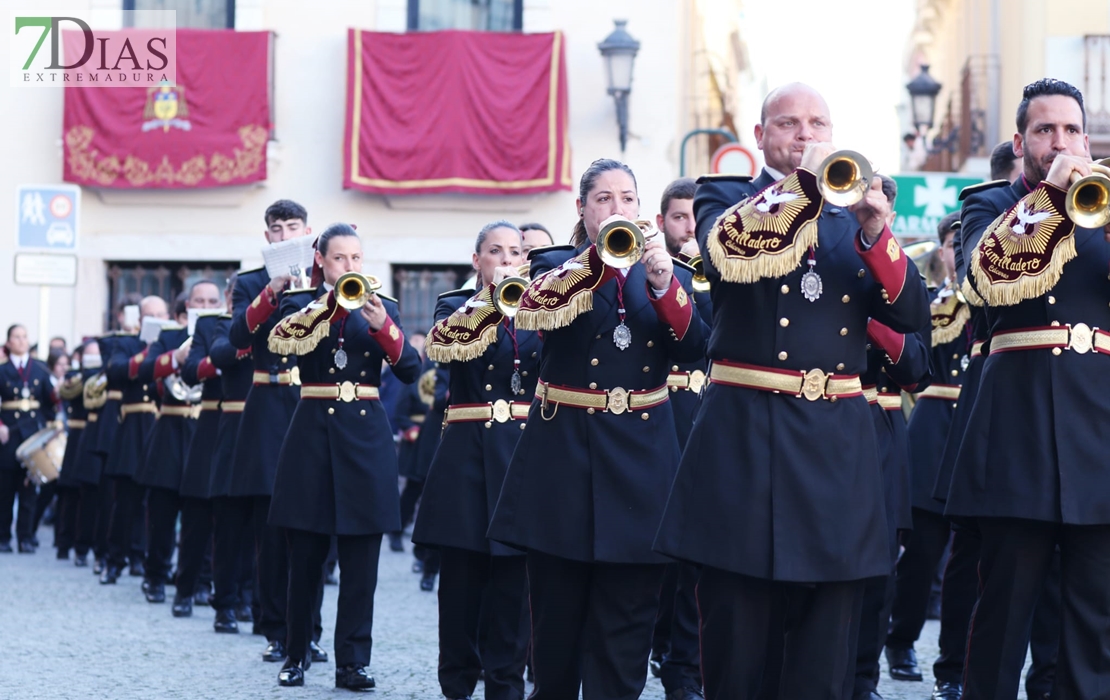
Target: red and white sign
733	159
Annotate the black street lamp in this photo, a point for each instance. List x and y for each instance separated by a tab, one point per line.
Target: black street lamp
923	99
619	51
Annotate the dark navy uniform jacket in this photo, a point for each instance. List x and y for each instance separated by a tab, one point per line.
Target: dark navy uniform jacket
428	440
236	378
591	487
196	478
408	412
270	406
130	442
685	402
469	467
980	332
169	439
337	473
22	424
774	486
931	420
88	463
72	394
108	415
1034	445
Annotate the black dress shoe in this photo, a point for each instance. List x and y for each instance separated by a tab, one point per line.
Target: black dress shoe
110	574
62	554
292	673
137	569
243	614
946	690
428	583
685	694
395	544
903	664
34	541
353	678
319	656
155	593
182	607
26	547
225	622
274	652
203	596
80	559
98	567
5	548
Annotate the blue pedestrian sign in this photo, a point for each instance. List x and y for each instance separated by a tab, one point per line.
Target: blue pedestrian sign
46	216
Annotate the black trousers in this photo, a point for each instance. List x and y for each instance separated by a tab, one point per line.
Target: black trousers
354	618
161	528
410	495
737	613
14	482
47	493
482	593
682	660
914	577
867	636
127	509
196	536
661	633
243	521
1044	636
105	499
1015	561
65	521
591	626
84	536
959	591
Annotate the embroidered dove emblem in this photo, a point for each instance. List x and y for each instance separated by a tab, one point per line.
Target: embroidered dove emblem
569	266
772	198
1027	218
474	304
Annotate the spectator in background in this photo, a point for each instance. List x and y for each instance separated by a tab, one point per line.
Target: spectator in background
1004	164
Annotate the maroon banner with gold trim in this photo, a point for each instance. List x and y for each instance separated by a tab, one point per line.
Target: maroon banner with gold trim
455	111
209	130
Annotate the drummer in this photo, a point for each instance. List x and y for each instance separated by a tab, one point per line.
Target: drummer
26	404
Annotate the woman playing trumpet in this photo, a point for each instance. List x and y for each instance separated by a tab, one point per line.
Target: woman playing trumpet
337	472
493	367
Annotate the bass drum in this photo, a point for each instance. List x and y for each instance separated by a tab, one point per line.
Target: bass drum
42	454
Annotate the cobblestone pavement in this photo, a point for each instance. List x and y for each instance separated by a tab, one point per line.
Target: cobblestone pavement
65	636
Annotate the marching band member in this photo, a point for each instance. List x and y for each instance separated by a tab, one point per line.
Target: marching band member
587	483
84	465
492	365
71	391
785	438
337	470
26	405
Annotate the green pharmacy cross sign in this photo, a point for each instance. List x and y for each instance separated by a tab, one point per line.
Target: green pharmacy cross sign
923	200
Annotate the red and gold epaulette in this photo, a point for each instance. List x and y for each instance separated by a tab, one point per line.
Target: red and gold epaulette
1023	252
766	235
301	332
560	295
467	333
949	316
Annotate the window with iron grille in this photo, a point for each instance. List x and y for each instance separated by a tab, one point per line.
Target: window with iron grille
195	14
164	279
417	287
475	15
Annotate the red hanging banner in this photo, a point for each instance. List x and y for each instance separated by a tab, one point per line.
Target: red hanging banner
209	130
455	111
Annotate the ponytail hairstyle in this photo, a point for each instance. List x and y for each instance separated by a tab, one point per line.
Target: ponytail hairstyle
321	245
500	223
586	185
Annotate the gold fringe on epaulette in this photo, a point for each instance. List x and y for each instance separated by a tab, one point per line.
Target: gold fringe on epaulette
320	329
462	352
71	388
1024	287
970	295
946	334
763	266
545	320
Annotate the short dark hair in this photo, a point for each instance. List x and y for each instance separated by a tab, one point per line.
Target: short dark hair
334	231
1002	160
948	224
1044	88
284	210
180	304
890	187
52	359
12	328
682	188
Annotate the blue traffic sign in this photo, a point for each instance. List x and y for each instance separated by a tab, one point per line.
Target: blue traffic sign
46	216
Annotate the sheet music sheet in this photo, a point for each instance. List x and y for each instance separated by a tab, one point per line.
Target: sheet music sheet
292	257
194	314
151	328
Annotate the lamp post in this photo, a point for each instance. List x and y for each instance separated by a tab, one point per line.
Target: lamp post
923	99
619	51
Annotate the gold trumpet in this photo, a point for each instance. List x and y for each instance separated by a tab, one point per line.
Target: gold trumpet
354	288
621	241
844	178
700	282
1088	199
507	294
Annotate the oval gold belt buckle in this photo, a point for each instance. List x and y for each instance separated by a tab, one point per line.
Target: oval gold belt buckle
1081	338
813	384
347	392
618	401
502	413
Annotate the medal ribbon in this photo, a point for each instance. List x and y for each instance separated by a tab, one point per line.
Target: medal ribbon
511	330
342	327
621	279
25	368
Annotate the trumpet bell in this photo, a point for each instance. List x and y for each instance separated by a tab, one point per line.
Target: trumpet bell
354	288
844	178
620	243
1088	201
700	282
507	294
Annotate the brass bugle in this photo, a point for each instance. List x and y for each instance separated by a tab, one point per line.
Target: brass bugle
620	243
354	288
700	282
1088	200
506	295
844	178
